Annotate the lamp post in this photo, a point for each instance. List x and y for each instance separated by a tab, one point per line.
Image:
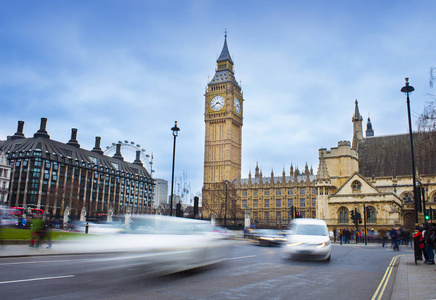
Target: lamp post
175	131
225	208
407	89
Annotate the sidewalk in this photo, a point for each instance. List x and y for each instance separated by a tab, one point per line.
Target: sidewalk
411	282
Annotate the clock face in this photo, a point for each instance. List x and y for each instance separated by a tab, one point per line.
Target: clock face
237	105
217	103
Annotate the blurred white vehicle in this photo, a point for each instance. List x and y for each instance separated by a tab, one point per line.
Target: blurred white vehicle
308	239
159	245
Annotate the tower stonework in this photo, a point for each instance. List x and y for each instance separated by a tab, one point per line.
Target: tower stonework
223	117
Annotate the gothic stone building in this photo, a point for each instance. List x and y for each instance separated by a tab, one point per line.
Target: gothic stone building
375	172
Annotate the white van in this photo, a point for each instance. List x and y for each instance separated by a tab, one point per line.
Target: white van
308	239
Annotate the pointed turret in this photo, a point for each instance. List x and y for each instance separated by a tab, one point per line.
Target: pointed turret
357	126
225	54
224	67
256	171
369	131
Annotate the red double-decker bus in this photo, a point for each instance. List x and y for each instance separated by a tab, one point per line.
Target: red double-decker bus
18	211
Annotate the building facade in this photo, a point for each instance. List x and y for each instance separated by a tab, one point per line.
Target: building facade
160	196
273	201
5	171
59	177
373	175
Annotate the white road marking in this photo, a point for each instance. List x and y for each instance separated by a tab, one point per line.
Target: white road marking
41	262
36	279
241	257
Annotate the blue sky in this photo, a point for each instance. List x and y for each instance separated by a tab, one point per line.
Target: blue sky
126	70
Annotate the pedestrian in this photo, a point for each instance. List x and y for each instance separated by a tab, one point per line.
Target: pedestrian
394	238
418	241
383	237
429	243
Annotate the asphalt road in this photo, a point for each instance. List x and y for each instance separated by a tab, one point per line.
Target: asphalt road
250	272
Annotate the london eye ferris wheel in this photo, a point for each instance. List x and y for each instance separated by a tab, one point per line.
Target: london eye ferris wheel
129	150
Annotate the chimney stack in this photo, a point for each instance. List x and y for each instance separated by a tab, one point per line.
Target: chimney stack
73	142
138	158
19	134
97	148
117	154
42	132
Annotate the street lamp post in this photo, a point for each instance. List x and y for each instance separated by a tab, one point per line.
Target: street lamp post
175	131
407	89
225	208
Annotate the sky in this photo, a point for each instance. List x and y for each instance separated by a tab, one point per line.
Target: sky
126	70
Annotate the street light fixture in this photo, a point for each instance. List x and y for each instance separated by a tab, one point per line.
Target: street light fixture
175	131
225	208
407	89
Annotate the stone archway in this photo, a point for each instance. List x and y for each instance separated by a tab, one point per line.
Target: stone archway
409	220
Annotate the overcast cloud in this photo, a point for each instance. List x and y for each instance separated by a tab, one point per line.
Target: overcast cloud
126	70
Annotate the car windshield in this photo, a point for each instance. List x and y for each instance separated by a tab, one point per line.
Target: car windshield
310	229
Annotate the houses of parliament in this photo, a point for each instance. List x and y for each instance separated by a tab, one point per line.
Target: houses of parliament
371	174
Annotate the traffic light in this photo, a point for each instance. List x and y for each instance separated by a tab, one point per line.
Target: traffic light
297	214
368	213
359	217
353	217
427	215
292	212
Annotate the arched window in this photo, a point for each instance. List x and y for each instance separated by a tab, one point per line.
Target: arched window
343	215
357	186
371	215
407	197
433	197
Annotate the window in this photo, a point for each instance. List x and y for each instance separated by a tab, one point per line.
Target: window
267	216
255	193
255	214
314	202
371	215
302	202
290	202
356	186
408	198
255	205
313	191
278	192
278	203
290	192
266	203
244	193
244	203
278	216
343	216
267	193
302	192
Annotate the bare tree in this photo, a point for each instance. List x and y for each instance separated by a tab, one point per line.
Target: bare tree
427	120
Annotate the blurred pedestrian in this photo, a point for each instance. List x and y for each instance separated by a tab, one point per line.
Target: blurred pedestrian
394	238
418	241
383	236
428	243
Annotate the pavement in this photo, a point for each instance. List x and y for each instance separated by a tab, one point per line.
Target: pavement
410	281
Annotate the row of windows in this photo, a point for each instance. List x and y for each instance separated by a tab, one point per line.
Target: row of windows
278	192
278	203
279	216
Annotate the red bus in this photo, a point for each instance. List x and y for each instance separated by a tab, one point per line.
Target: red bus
18	211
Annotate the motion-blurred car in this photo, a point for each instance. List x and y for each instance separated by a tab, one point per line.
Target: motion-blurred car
157	245
308	239
268	237
95	228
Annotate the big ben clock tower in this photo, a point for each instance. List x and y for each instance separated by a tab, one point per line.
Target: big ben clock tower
223	129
